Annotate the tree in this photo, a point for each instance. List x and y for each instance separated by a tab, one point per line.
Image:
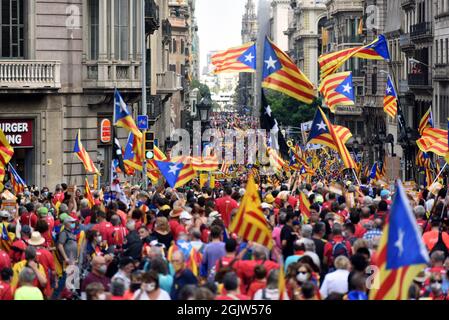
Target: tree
289	111
204	89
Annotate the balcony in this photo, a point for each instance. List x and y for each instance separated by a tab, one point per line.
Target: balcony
108	75
406	44
30	74
168	82
418	80
441	72
337	6
408	4
421	32
151	16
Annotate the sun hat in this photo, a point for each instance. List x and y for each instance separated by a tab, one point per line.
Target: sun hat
36	239
176	212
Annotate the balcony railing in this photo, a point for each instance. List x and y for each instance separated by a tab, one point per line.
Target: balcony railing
151	16
168	82
418	79
441	72
108	75
421	30
30	74
408	4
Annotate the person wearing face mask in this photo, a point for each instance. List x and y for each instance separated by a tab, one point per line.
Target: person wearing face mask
67	242
99	268
183	276
435	288
150	289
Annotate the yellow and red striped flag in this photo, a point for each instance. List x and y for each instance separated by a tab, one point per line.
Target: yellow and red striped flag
6	151
237	59
280	73
426	121
323	132
433	140
250	223
89	195
338	90
304	207
83	155
390	99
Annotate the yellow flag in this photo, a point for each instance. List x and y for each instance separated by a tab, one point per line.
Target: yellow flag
360	29
250	222
203	179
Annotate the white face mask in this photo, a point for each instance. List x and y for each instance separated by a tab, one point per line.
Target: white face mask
302	277
99	239
436	286
149	287
102	296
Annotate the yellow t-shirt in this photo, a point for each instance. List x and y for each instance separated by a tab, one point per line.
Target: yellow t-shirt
18	267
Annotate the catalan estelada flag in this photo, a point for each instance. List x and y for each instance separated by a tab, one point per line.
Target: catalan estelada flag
433	140
250	223
238	59
324	133
83	155
401	253
122	116
280	73
390	99
376	50
426	121
18	184
89	195
5	239
133	153
338	90
6	151
176	174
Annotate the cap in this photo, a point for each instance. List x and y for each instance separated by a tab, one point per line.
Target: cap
36	239
26	229
269	198
42	211
319	198
69	219
176	212
384	193
265	205
165	207
4	214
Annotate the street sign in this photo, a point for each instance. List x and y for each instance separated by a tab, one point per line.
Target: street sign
142	122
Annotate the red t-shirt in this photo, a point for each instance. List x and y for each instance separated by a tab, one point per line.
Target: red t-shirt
28	218
45	258
233	297
224	206
255	286
122	216
176	228
329	245
5	260
359	231
58	197
119	235
106	230
245	270
5	291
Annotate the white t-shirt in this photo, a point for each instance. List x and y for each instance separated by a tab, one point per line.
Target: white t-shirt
335	282
270	294
163	295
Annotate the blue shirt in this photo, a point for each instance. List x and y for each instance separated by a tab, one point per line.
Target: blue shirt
165	282
180	280
212	252
357	295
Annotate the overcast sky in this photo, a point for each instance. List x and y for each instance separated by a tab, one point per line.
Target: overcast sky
219	25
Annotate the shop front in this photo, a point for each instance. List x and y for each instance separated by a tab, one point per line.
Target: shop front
20	135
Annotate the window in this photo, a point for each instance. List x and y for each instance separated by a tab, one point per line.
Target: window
374	81
94	17
121	33
447	50
175	49
12	29
442	53
360	128
182	46
436	51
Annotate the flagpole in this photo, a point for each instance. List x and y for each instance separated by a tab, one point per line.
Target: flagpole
144	92
356	178
439	174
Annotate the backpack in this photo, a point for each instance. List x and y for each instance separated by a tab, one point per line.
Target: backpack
222	270
440	245
339	249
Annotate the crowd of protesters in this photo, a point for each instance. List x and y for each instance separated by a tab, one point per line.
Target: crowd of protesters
162	244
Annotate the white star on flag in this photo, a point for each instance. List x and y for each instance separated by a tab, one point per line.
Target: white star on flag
249	57
347	88
271	63
268	111
389	89
174	169
321	126
400	242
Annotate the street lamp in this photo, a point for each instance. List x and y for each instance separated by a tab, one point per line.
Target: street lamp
204	108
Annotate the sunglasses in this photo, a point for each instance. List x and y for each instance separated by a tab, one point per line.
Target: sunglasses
435	281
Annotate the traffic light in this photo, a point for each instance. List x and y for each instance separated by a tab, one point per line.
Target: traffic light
149	145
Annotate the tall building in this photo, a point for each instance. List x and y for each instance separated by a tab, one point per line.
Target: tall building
304	34
246	88
60	65
280	12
